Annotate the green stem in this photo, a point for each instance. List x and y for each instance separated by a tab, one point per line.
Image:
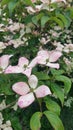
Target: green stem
40	105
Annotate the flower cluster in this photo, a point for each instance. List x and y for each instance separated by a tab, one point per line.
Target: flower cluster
12	28
44	57
34	45
44	5
29	94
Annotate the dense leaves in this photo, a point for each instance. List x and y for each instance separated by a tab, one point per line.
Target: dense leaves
54	120
41	34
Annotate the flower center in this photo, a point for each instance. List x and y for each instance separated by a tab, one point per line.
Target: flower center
25	66
31	90
47	60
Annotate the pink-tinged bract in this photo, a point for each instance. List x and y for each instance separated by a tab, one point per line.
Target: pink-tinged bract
33	1
27	72
54	56
21	88
4	61
33	81
53	65
42	55
26	100
42	91
13	69
23	61
33	63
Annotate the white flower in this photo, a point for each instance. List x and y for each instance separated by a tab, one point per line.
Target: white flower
27	91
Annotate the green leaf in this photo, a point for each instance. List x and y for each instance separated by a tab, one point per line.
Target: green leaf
70	11
58	92
16	123
66	81
54	120
28	2
44	20
53	106
28	19
71	54
42	76
56	72
5	85
35	121
58	21
11	6
3	2
36	18
64	19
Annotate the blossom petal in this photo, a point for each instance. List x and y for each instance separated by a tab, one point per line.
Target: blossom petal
21	88
27	72
30	10
45	1
43	55
25	101
13	69
33	81
4	61
23	61
33	1
52	1
54	56
33	63
53	65
42	91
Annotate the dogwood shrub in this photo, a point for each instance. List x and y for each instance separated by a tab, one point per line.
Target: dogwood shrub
36	61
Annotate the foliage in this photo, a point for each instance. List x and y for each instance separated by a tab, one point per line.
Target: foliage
37	36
